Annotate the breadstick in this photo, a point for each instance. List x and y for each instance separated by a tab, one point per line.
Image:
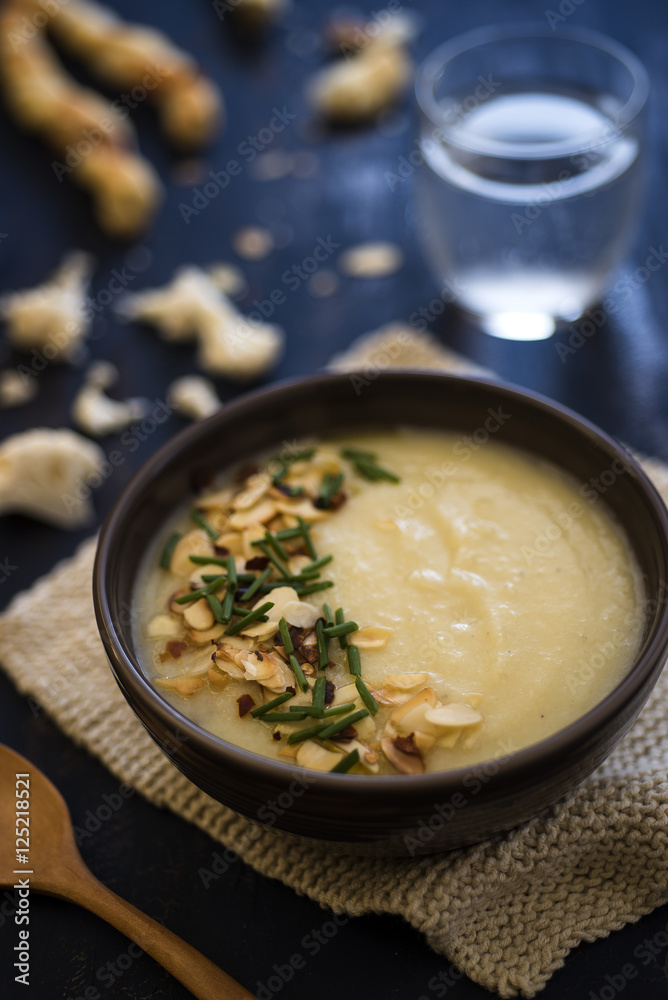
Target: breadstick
87	131
133	55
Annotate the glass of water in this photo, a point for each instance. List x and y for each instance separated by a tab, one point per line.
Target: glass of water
528	178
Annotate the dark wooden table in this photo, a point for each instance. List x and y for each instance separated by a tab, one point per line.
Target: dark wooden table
247	923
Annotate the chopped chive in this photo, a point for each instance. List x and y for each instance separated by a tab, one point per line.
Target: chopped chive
274	703
251	617
167	552
319	689
340	618
203	523
346	763
287	533
313	588
298	672
285	636
296	456
329	615
241	577
257	583
238	610
276	545
345	628
283	717
354	665
340	724
232	573
195	595
205	560
330	486
318	564
306	734
366	465
366	695
308	541
228	602
306	575
216	607
283	570
281	474
322	713
323	645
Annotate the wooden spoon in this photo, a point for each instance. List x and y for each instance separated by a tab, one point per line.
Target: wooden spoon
55	867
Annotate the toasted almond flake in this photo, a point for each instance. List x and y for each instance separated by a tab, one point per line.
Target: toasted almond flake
423	741
210	569
258	514
230	667
220	498
280	596
163	625
260	630
198	615
232	541
450	739
217	680
369	759
301	614
407	763
425	698
344	694
178	609
372	637
301	508
252	243
371	260
297	563
250	535
194	543
407	681
454	714
183	685
203	637
287	751
255	488
259	666
311	754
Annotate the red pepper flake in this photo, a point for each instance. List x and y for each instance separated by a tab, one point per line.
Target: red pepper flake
330	691
245	703
290	689
221	550
276	736
174	649
257	562
347	734
406	744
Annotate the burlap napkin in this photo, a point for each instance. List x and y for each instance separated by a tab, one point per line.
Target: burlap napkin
508	911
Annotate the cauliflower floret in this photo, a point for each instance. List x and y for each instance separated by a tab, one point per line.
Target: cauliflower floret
192	307
54	313
193	397
95	413
45	473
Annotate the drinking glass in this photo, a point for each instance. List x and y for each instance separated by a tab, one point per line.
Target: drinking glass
528	176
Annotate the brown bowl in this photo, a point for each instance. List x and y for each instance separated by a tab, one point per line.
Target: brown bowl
384	814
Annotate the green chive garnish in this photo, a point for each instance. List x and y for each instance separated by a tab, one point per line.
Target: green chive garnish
276	546
283	570
203	523
274	703
319	690
251	617
345	763
366	695
194	595
216	607
238	610
205	560
285	636
308	541
257	583
330	486
167	552
329	615
296	456
306	734
340	619
298	672
313	588
241	577
366	466
322	713
340	724
345	628
354	665
284	717
288	533
323	645
315	566
228	603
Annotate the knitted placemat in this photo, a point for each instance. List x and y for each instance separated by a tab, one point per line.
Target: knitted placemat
507	911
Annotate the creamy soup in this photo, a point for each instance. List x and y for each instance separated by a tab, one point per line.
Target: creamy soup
417	602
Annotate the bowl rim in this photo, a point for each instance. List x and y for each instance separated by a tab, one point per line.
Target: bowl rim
438	783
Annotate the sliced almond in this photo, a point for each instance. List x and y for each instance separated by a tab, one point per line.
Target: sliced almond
301	508
311	754
369	759
344	694
219	498
232	541
406	682
407	763
202	638
453	715
250	535
217	680
210	569
450	739
423	741
372	637
297	563
182	685
259	666
259	514
301	614
279	596
198	615
178	609
194	543
261	630
255	488
163	625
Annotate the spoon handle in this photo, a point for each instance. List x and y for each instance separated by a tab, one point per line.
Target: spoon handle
204	979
